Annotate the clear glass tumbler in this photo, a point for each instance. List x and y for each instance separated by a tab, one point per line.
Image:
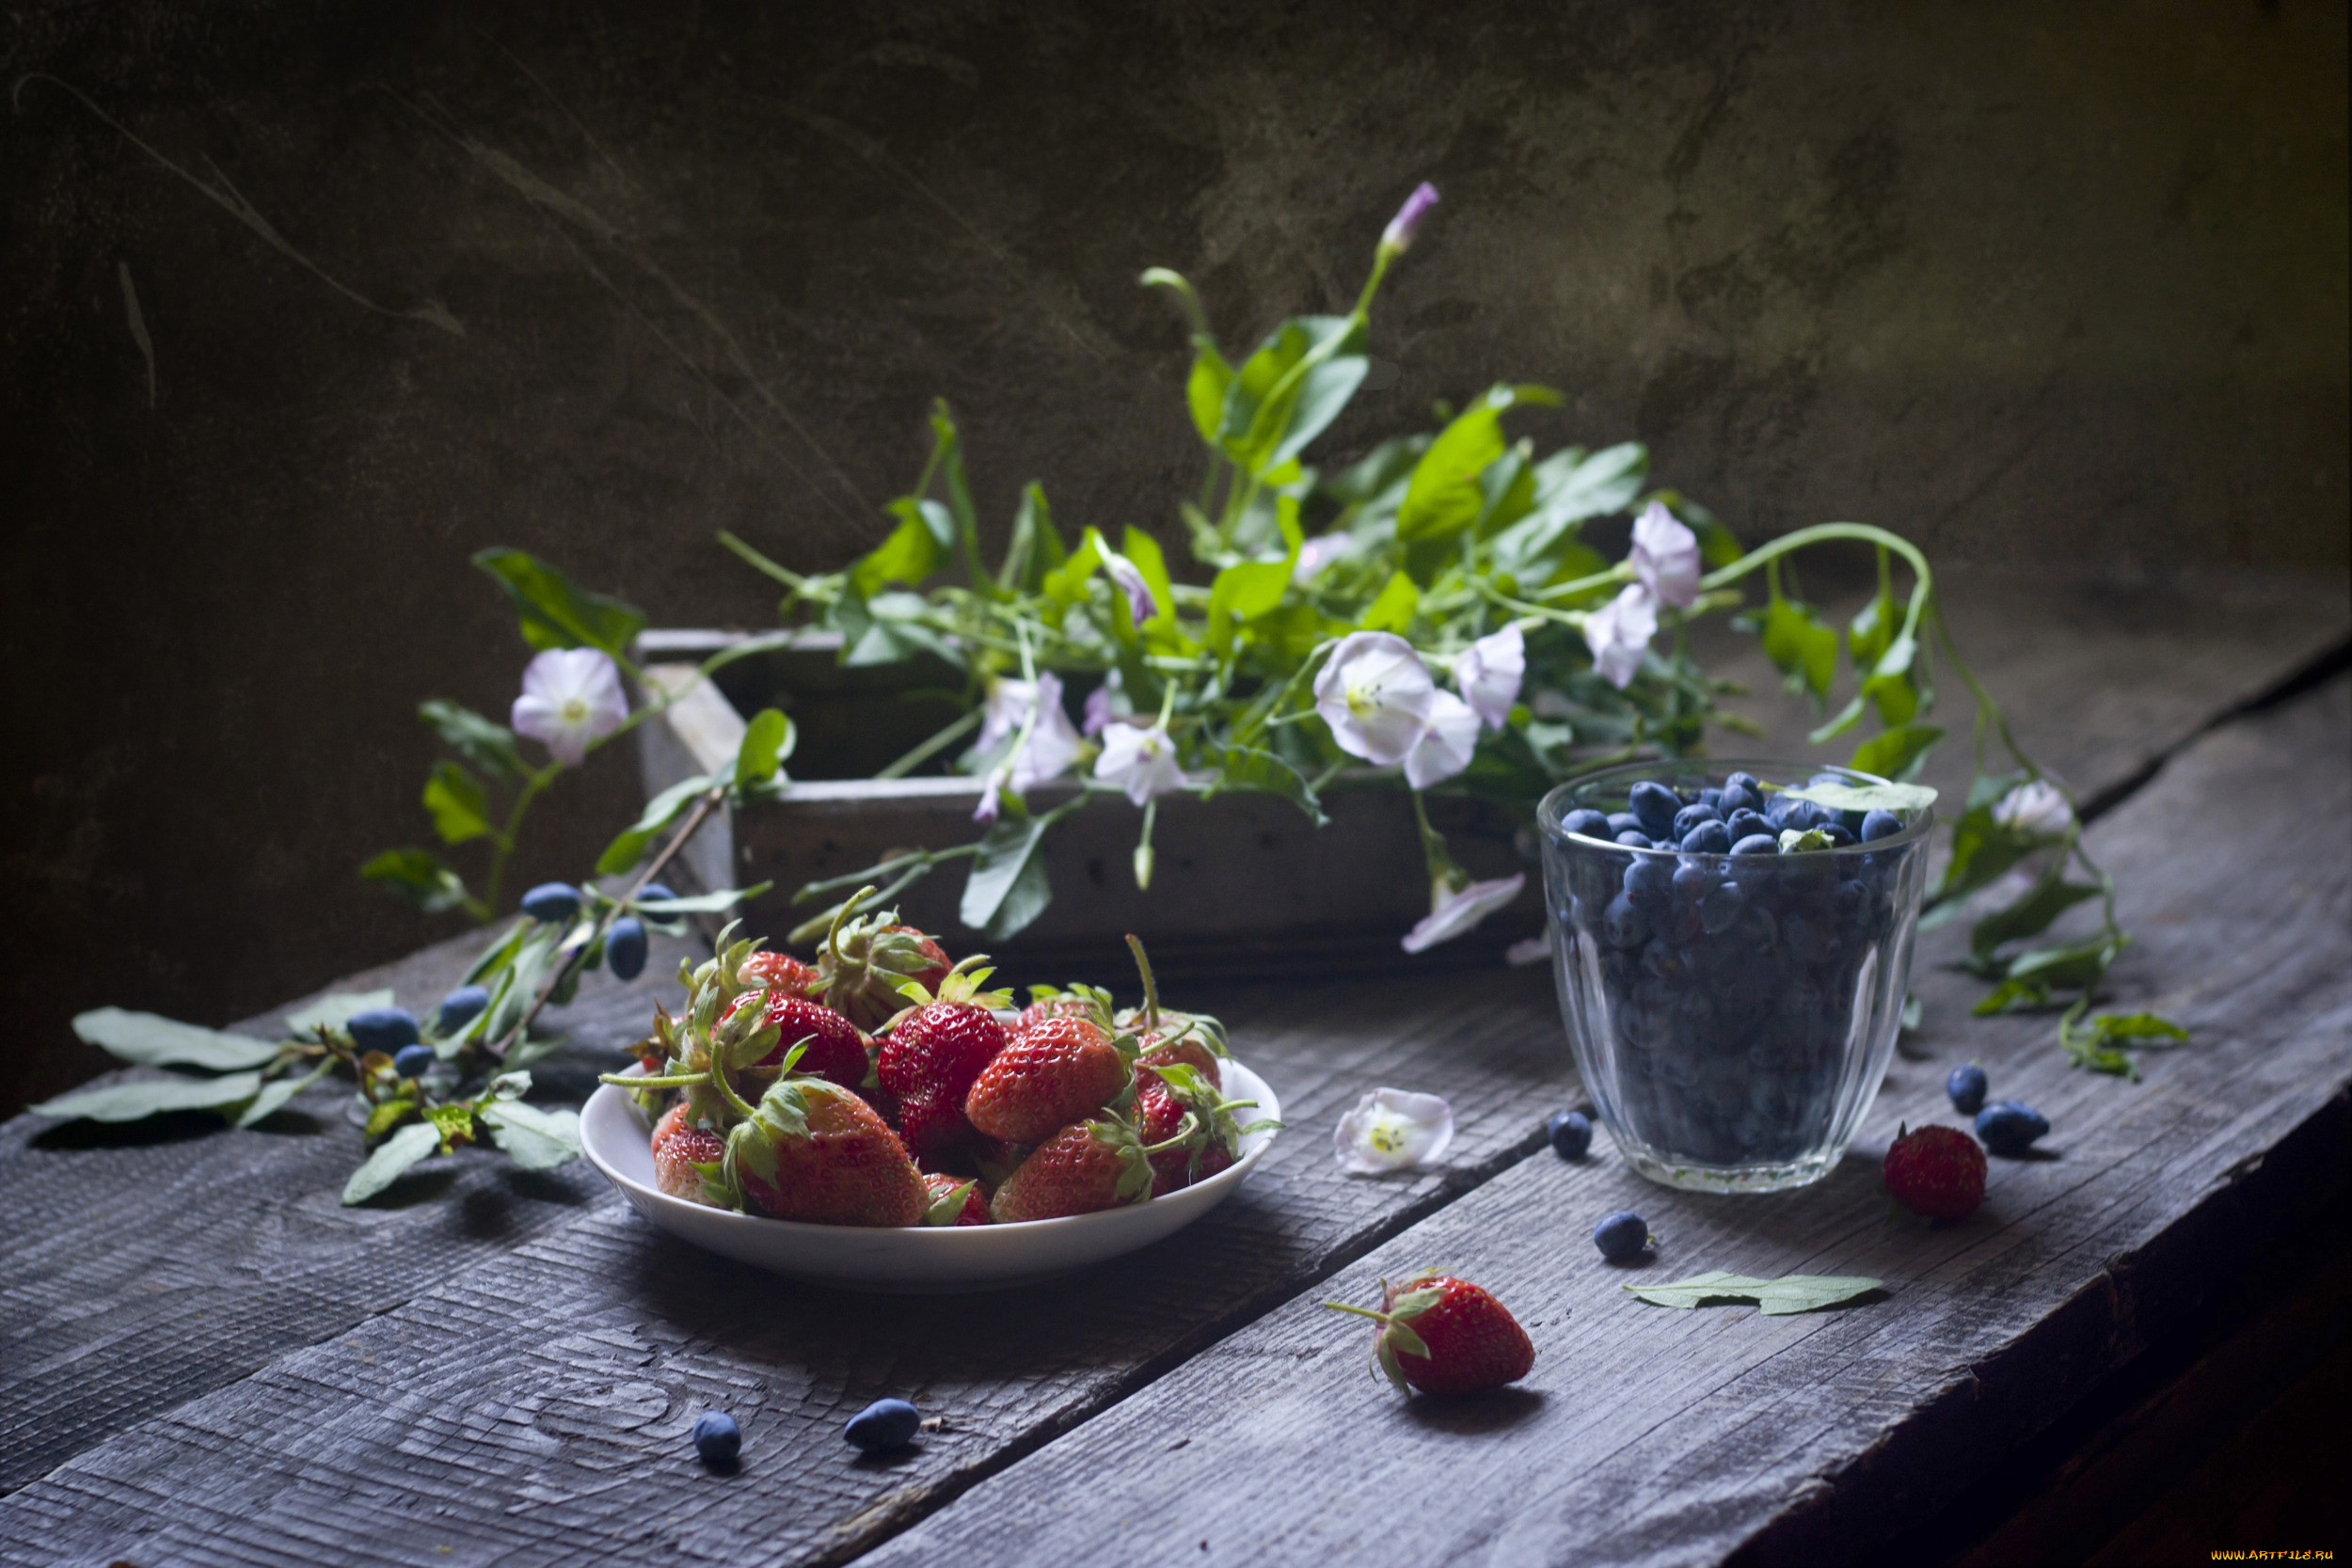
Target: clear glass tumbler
1731	1015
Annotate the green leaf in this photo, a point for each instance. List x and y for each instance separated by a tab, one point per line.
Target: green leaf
1205	390
390	1162
1795	1292
1890	686
148	1097
1443	498
1269	416
388	1114
1244	591
1035	547
2135	1026
1793	842
1248	767
420	877
278	1091
1007	887
666	808
2029	916
1847	796
1871	629
1802	648
1144	550
768	740
1572	487
533	1138
145	1039
910	552
487	745
557	612
334	1010
1394	610
703	903
1897	753
460	810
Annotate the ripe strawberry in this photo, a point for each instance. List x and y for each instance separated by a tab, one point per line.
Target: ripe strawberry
864	961
1094	1165
1168	1037
1185	1155
932	1055
1936	1171
1058	1006
1445	1336
1188	1049
815	1151
956	1200
832	1046
672	1119
684	1163
779	972
1048	1075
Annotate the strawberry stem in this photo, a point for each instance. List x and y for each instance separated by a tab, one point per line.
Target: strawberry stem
669	1081
1151	991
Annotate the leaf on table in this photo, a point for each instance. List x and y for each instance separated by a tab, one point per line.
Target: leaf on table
534	1137
277	1092
146	1039
1794	1292
149	1097
390	1162
334	1010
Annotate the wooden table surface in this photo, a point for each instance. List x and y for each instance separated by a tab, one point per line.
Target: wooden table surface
205	1359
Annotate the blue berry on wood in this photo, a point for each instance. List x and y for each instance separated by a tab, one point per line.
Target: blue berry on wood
553	903
384	1029
1571	1134
410	1061
459	1008
883	1425
717	1438
1966	1084
2006	1127
1622	1235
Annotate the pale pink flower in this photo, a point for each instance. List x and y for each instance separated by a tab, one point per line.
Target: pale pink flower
1140	761
2037	808
571	699
1445	745
1459	910
1051	744
1489	674
1128	578
1098	710
1534	950
1665	557
1393	1130
1317	553
1619	634
1375	692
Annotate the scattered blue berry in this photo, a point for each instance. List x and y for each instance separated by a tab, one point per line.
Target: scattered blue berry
1880	824
1623	1235
1757	844
1966	1086
883	1425
2005	1127
553	903
1591	823
459	1008
1571	1134
717	1438
410	1061
384	1029
1708	838
1656	805
625	947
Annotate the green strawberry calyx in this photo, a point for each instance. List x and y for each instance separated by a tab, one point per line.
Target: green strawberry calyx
961	987
1399	1307
945	1209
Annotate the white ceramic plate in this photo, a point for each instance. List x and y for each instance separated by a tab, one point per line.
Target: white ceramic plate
922	1258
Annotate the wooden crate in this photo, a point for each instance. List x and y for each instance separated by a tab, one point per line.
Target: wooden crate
1246	885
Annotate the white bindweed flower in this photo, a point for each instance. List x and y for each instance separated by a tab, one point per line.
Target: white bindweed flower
1005	711
1128	578
992	795
1140	761
1391	1129
2038	808
1459	910
1317	553
1489	674
1665	556
1098	710
1534	950
1445	745
1052	742
571	698
1375	692
1619	632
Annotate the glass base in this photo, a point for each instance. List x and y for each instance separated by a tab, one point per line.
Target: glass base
1669	1172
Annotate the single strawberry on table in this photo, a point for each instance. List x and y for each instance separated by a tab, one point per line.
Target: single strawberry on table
1443	1335
1049	1074
815	1151
1935	1171
932	1053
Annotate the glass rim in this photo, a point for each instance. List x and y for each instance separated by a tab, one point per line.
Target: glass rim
1553	806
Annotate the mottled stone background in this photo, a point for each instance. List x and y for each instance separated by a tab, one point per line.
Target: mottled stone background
2030	282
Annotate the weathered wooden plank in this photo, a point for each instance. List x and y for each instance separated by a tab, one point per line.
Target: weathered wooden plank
1659	1436
148	1265
73	1394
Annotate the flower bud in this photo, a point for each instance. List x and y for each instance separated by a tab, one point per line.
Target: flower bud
1398	237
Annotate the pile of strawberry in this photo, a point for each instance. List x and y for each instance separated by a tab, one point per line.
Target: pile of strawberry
883	1085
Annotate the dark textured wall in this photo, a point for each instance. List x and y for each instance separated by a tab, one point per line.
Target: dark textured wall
601	280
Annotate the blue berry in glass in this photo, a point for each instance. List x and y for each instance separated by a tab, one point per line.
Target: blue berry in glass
1712	798
883	1425
384	1029
1655	805
1839	835
1591	823
1624	822
1648	879
1877	825
1757	844
1622	1235
553	903
1571	1134
1966	1084
2006	1127
1708	838
1634	838
1690	817
1744	823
